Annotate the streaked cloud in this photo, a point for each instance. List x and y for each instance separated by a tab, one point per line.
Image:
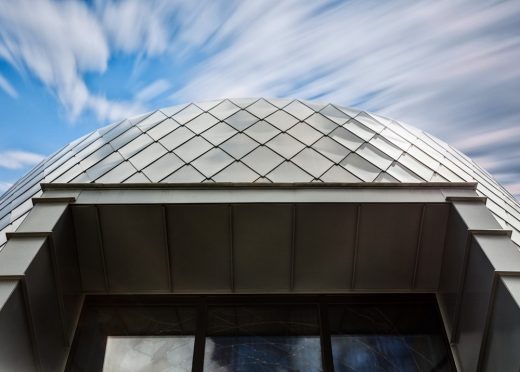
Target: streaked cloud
58	43
7	87
450	68
153	90
16	159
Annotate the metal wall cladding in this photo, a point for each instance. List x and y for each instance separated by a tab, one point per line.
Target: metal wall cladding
256	140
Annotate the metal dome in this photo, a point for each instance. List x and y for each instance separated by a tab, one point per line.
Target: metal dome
256	140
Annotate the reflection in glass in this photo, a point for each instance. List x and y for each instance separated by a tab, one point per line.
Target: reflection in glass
250	339
149	354
386	353
268	353
393	336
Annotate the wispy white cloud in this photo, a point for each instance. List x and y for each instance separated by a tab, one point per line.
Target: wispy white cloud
7	87
16	159
58	42
153	90
136	26
448	67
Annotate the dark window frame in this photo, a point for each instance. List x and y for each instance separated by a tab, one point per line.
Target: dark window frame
201	303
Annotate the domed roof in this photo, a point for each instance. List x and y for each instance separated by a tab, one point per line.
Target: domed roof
256	140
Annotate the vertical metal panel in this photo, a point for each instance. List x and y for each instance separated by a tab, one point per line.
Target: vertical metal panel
432	246
452	266
45	312
325	235
504	334
262	237
68	269
474	307
89	248
16	352
133	241
387	246
199	240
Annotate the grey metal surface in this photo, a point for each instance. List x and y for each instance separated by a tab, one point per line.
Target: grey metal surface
16	352
256	140
504	334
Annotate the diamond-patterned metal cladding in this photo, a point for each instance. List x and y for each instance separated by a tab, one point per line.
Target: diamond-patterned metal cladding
256	140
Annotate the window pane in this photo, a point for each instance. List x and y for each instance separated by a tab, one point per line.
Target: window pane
262	339
398	336
160	353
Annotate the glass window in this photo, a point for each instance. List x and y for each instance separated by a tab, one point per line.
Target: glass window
387	337
133	335
262	339
148	353
305	333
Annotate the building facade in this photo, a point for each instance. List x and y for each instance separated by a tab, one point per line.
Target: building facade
255	234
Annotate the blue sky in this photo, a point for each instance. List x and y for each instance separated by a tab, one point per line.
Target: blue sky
450	68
